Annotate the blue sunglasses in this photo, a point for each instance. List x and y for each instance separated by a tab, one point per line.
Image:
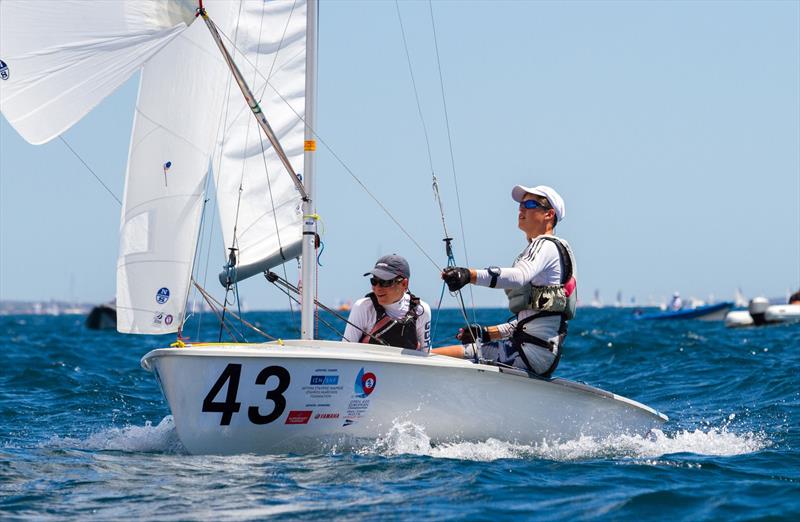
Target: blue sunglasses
531	204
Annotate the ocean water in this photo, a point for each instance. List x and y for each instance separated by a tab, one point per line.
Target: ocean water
85	433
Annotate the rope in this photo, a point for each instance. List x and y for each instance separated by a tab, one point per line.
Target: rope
273	278
90	169
452	155
210	299
435	182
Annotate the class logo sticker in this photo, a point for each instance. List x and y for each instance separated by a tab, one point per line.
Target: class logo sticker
365	383
162	296
4	74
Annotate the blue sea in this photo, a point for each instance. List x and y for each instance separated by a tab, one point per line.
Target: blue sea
86	434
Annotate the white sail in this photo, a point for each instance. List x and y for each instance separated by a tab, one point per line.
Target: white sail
177	116
60	58
264	220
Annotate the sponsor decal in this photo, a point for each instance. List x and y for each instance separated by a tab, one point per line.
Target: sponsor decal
158	318
168	319
298	417
365	383
331	380
4	74
162	296
324	416
323	385
359	403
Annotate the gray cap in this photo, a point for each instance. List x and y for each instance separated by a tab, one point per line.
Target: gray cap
389	267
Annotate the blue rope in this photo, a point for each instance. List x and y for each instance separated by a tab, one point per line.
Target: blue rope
321	250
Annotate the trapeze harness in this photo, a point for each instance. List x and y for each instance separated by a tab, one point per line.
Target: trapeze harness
394	332
547	301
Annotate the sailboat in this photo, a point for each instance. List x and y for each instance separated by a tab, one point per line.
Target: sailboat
299	395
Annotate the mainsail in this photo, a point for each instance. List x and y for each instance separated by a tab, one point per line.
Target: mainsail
63	57
259	206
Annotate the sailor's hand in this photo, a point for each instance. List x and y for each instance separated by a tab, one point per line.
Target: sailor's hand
456	277
475	333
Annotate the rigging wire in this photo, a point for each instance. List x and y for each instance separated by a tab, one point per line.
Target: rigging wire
230	266
90	169
345	166
232	282
263	148
435	182
447	239
452	155
273	278
211	300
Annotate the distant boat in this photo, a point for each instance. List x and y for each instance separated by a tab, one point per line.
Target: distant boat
714	312
102	317
761	313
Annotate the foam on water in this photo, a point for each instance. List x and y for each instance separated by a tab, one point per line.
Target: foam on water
408	438
148	438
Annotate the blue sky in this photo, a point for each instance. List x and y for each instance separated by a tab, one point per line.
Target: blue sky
671	129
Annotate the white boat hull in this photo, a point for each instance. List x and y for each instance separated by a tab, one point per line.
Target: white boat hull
322	394
774	314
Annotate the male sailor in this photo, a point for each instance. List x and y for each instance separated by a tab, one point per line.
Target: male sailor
390	314
541	290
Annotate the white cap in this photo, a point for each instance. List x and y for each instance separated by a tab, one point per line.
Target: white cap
518	192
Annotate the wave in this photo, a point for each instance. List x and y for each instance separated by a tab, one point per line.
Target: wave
407	438
161	438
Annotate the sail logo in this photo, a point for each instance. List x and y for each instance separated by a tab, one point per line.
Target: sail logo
365	383
162	296
4	70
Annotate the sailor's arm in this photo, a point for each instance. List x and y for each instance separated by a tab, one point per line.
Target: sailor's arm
494	277
357	322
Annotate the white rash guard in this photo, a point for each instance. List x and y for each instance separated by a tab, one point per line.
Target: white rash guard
539	264
364	316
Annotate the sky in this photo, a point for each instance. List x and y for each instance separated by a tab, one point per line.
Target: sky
671	129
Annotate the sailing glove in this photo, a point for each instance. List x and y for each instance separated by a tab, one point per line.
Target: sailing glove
475	332
456	277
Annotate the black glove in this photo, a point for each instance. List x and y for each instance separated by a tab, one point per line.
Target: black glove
456	277
475	332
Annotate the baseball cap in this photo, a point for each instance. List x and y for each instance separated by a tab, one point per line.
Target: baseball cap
555	200
389	267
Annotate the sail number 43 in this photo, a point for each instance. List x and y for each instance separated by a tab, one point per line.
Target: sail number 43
231	375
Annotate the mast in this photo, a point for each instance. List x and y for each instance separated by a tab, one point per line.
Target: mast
305	181
309	261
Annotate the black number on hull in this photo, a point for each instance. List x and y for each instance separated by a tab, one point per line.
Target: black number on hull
275	395
230	375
